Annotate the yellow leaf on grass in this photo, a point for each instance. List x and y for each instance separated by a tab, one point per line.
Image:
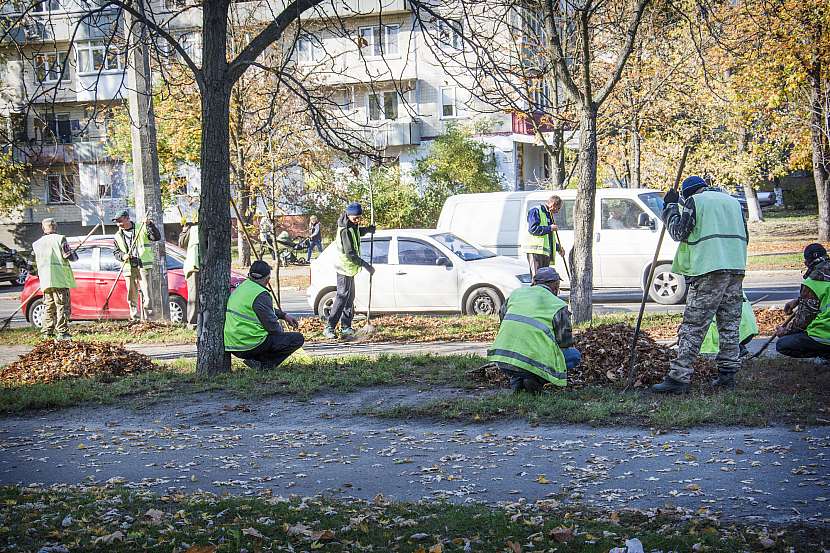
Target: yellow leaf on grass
437	548
541	479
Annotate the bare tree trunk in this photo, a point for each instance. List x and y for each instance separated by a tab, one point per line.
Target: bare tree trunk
820	142
214	216
243	247
635	154
582	270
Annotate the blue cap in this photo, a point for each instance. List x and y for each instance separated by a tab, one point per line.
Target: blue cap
690	184
354	208
546	274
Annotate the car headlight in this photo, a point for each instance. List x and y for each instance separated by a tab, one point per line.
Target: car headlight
524	279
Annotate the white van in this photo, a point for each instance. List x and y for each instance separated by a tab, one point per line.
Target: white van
626	230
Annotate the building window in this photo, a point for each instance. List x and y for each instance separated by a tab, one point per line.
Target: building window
383	106
60	128
60	189
344	101
309	49
379	41
191	43
449	102
449	33
539	93
50	67
94	57
47	6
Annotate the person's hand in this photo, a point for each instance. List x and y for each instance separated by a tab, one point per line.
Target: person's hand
789	307
292	322
671	197
553	227
560	249
371	269
371	229
781	331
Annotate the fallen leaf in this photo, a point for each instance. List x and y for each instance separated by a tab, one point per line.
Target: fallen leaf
155	516
541	479
109	538
562	534
253	532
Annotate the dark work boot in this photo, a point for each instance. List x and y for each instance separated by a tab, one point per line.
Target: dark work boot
670	386
517	383
534	385
252	363
724	381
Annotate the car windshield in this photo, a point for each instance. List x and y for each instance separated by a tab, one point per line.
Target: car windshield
654	201
462	248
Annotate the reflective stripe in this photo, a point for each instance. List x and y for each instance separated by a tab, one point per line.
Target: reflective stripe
532	322
238	314
528	360
740	237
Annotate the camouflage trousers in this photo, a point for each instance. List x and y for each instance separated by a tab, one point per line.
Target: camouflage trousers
719	295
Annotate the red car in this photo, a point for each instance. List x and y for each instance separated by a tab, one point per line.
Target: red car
95	271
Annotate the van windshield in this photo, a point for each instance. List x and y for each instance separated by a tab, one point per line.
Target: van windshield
462	248
654	201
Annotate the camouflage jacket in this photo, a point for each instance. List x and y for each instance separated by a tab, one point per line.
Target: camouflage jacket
808	303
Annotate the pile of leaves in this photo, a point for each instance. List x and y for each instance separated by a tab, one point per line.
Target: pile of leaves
50	361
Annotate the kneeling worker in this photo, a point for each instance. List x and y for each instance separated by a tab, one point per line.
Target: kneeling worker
535	342
252	328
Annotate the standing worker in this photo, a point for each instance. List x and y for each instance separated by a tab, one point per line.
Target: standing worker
189	241
315	237
137	259
539	242
52	256
535	341
252	326
347	264
712	256
808	334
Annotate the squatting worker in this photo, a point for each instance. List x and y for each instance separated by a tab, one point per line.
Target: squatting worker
808	334
347	263
52	257
539	241
535	342
137	260
712	256
747	330
189	241
252	325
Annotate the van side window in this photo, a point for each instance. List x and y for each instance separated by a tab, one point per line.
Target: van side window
619	213
564	219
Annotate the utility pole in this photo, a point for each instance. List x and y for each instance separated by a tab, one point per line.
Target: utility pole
146	180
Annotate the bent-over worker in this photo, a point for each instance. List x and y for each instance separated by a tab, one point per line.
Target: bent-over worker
189	241
252	325
808	334
535	340
55	278
712	256
347	264
137	260
539	241
747	330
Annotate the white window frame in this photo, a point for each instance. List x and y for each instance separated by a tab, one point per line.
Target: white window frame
58	62
90	48
314	51
63	198
46	4
456	109
382	107
375	50
453	29
191	43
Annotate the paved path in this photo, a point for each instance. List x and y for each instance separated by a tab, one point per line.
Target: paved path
210	442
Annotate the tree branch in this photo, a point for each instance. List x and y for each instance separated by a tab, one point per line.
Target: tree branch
628	47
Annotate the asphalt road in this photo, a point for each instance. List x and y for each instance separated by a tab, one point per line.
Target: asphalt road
774	287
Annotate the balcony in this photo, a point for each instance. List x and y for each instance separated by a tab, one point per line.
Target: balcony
395	133
351	8
78	152
523	124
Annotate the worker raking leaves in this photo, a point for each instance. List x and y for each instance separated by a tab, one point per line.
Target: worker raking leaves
133	249
712	256
535	340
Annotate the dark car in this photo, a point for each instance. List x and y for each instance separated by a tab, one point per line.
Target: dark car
13	266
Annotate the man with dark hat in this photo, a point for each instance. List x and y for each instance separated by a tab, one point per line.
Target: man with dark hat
133	249
347	264
808	334
253	331
712	256
535	341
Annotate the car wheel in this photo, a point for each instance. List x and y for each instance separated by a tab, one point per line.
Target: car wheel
36	312
667	287
482	301
178	309
325	304
21	277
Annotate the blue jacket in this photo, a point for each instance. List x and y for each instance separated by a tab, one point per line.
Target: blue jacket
533	222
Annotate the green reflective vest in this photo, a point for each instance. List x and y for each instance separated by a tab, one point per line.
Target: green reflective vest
526	336
243	331
53	270
342	264
748	327
191	259
718	240
142	249
540	245
819	328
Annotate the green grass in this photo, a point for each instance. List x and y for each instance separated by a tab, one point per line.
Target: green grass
33	517
769	262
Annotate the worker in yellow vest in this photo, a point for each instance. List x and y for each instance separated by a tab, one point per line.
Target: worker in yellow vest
55	277
189	241
347	264
712	256
535	340
253	331
137	260
539	242
808	334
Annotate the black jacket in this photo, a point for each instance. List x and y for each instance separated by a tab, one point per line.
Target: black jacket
354	256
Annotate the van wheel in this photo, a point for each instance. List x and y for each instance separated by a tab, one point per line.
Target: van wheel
482	301
325	304
667	287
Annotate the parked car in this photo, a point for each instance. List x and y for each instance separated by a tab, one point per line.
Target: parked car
765	199
13	266
623	248
95	272
422	270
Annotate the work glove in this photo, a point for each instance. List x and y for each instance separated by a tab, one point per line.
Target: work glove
671	197
371	229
